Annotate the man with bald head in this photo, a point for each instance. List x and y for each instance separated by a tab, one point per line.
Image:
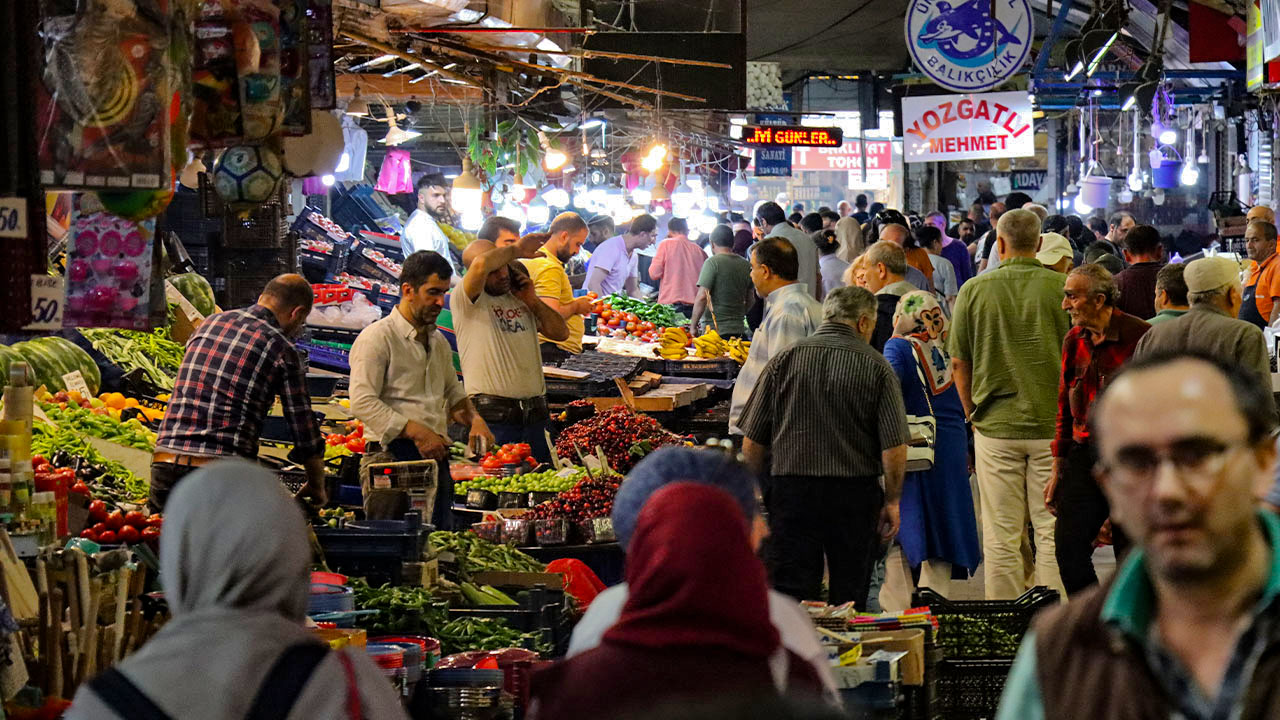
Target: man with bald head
236	364
498	316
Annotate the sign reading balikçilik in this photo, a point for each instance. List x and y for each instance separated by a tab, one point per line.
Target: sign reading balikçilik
938	128
969	45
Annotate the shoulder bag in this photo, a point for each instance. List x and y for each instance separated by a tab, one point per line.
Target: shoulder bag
924	428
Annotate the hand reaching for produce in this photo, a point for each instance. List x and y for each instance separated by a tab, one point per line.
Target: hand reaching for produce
430	445
315	491
582	306
889	521
480	439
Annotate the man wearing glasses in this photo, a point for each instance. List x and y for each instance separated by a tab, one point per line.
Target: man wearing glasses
613	266
1189	626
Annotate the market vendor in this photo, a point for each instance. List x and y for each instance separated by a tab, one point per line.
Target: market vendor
405	391
422	231
498	316
236	364
567	233
614	265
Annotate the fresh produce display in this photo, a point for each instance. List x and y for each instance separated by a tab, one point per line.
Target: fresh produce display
711	345
89	421
623	435
590	498
474	555
196	290
353	440
675	343
545	481
106	479
479	633
51	358
458	451
964	636
458	238
155	354
108	527
510	454
485	595
643	311
8	356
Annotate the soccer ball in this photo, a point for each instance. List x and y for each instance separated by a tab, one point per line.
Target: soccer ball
246	175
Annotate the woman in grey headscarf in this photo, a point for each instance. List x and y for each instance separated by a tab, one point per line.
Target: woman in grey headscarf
234	563
849	235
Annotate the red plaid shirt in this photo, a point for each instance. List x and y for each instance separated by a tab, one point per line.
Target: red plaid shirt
1086	371
235	365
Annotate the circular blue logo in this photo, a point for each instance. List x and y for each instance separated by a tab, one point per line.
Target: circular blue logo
963	47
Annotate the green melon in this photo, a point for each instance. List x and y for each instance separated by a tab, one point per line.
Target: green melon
197	290
52	357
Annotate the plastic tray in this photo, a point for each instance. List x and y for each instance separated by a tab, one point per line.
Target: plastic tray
981	620
327	357
721	368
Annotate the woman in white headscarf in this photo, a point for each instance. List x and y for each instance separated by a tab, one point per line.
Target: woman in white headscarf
234	563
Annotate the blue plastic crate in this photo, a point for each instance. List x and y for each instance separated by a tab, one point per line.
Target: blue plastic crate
327	357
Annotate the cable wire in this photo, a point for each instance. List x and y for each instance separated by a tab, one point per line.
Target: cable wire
806	39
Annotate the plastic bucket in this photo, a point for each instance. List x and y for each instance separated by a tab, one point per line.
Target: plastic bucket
1166	176
1095	191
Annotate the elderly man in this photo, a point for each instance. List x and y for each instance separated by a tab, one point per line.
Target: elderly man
886	269
844	208
1262	291
1171	293
980	248
1137	283
498	316
1006	349
898	234
1186	628
790	314
831	410
1055	252
774	224
1211	327
1102	339
1261	212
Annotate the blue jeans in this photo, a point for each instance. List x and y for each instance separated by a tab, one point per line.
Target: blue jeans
530	433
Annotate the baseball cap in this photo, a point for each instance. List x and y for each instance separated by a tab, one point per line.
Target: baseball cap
1053	247
1211	273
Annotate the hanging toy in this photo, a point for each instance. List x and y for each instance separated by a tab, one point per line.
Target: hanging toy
246	175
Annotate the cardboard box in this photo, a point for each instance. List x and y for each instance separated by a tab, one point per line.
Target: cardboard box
908	641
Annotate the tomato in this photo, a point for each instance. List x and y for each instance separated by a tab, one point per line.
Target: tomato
358	431
107	537
98	511
631	327
99	528
646	325
507	458
335	439
356	444
87	534
592	295
80	489
38	460
151	534
115	520
606	315
155	521
129	534
524	450
491	462
135	519
614	322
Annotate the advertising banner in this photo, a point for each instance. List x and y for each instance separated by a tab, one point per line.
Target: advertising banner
846	157
969	45
941	128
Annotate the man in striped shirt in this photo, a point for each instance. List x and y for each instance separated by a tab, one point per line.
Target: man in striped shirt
831	410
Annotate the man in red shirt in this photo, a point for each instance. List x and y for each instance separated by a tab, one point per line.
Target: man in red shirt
676	266
1101	339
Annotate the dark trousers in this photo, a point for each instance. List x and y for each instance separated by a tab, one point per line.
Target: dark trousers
164	476
683	308
812	519
1082	510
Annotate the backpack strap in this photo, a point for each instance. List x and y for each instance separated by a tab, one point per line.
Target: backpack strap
124	698
283	685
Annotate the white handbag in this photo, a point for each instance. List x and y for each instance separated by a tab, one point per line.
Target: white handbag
924	430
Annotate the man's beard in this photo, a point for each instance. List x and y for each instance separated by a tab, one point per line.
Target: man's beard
565	254
443	215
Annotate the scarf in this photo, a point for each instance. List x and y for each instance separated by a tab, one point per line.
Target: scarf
692	577
919	320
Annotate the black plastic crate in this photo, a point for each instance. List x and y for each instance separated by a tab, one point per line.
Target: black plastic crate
970	689
719	368
360	263
580	388
369	539
984	629
263	227
211	204
318	266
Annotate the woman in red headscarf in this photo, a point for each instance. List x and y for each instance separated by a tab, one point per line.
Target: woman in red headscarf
696	623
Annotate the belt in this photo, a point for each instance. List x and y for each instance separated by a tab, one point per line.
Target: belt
510	410
185	460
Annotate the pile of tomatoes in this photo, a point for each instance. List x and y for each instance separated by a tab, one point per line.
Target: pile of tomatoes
624	324
511	454
112	527
353	440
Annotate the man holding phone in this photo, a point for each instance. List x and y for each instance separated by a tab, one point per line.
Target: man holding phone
498	316
404	389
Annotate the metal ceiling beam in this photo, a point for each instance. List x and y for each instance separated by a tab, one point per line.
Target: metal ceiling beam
1046	47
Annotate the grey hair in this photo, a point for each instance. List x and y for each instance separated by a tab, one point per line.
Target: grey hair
1210	297
1101	282
848	305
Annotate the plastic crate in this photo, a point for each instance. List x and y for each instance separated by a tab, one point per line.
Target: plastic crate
360	263
970	689
318	266
984	629
263	227
327	357
401	540
580	388
210	202
720	368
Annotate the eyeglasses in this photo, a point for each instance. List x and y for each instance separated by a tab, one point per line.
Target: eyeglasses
1197	461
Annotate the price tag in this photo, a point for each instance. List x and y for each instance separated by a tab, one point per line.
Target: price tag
13	217
48	295
173	295
75	383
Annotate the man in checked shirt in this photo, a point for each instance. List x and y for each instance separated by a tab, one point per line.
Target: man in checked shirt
236	364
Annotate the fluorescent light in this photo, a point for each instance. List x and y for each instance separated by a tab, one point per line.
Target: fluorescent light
1129	102
1076	70
1102	52
592	123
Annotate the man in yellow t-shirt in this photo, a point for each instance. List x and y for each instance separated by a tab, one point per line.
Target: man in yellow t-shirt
568	231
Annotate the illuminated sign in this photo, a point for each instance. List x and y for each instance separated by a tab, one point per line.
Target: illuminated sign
792	136
849	156
939	128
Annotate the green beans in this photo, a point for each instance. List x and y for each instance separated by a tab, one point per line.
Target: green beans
154	353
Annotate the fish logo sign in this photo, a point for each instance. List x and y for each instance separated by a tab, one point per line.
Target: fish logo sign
964	47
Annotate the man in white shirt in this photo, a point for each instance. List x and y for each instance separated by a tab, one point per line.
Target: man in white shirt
404	389
613	265
790	314
422	231
774	222
497	316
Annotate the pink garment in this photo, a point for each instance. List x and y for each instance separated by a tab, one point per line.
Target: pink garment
677	265
314	186
396	175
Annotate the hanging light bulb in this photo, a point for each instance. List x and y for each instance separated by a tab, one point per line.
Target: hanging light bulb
705	222
580	197
1125	196
553	159
556	197
1157	196
1168	136
539	211
467	192
327	180
1190	174
659	211
738	189
654	159
642	195
358	106
1081	206
190	177
1203	159
682	199
1135	180
512	211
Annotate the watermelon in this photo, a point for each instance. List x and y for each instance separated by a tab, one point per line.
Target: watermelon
52	357
196	290
7	357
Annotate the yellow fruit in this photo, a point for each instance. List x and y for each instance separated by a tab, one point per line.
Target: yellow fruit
130	403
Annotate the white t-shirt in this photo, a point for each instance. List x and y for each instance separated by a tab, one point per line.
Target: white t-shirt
944	276
422	233
794	627
497	345
612	255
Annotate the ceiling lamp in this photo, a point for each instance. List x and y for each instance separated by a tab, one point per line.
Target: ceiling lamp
642	195
467	191
738	189
682	199
1094	48
552	158
556	197
539	211
660	192
358	106
655	158
1072	53
396	136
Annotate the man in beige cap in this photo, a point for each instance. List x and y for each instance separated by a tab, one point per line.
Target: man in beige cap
1210	326
1055	252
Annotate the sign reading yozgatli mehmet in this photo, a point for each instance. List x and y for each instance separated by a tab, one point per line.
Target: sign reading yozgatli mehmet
938	128
963	47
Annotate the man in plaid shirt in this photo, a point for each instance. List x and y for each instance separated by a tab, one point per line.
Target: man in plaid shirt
1102	338
236	364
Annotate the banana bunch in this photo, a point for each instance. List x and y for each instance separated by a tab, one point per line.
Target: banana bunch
674	341
738	349
710	345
